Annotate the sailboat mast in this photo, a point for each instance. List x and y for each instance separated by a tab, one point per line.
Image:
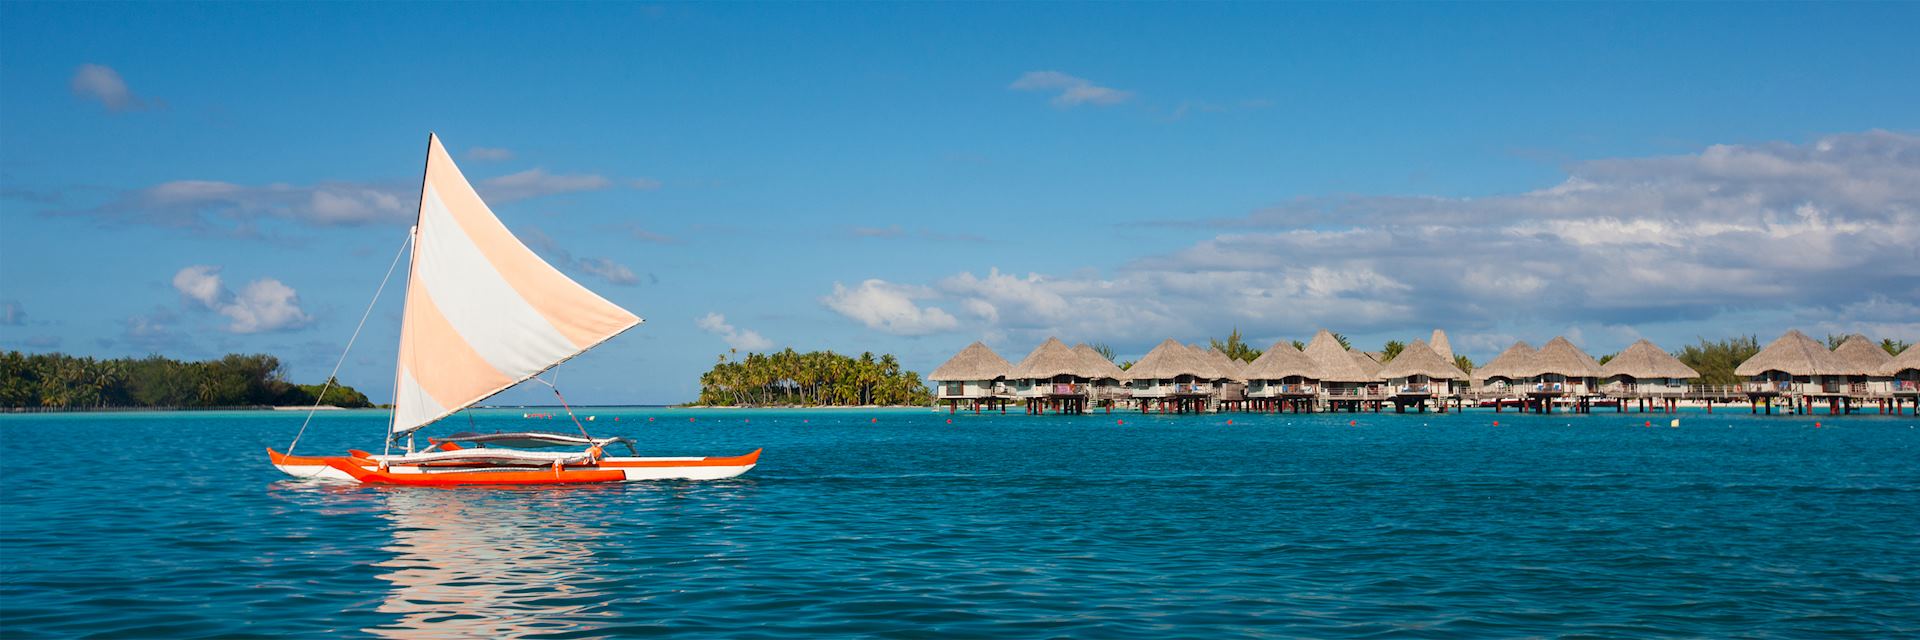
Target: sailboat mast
413	257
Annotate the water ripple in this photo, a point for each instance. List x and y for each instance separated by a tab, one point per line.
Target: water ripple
992	526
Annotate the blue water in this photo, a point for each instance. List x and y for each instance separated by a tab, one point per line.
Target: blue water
173	525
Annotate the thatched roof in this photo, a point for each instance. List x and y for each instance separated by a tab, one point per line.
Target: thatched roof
1052	358
1170	360
1420	359
1440	345
1793	354
1225	368
1858	356
1377	357
1336	364
1281	361
1368	363
1643	360
976	362
1096	362
1909	359
1508	364
1561	357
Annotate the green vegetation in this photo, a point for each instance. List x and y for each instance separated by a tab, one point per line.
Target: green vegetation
1235	347
1465	363
815	378
1716	360
1894	347
57	380
1391	350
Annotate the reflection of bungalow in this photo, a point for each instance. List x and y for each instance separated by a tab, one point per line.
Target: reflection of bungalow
1172	377
1561	370
1053	377
1504	372
1283	378
1107	377
1419	375
1792	365
1344	381
1904	377
1860	362
975	376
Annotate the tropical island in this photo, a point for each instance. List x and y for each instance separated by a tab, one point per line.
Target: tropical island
61	381
813	379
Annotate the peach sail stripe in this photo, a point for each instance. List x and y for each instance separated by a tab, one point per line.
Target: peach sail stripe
443	364
483	312
478	304
585	318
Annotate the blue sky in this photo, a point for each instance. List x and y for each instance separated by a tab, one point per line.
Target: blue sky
198	179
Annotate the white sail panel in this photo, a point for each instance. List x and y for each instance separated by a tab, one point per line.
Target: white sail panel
483	312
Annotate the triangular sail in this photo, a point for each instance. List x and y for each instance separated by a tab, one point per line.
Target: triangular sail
483	313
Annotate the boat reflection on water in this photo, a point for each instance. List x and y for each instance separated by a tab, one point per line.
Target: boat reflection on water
491	564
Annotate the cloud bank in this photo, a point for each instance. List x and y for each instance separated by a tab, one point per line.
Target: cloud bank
1823	234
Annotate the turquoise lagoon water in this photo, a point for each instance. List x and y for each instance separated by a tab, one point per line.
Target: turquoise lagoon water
172	525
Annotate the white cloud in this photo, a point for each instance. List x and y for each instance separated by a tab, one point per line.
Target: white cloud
889	307
644	184
534	183
1070	91
208	204
100	83
11	315
489	154
261	306
735	337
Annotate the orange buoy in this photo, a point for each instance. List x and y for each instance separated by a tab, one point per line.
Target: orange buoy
1121	422
1496	423
873	420
1229	420
1352	422
949	420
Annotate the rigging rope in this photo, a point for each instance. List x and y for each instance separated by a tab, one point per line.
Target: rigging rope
356	336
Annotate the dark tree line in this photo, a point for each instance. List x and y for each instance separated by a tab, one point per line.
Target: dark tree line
815	378
58	380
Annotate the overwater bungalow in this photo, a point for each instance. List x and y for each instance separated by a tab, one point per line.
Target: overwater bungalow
1794	367
1172	377
1053	377
1644	373
1561	371
1505	372
1344	382
1283	378
1108	385
1230	388
1859	377
1419	376
976	376
1860	361
1904	371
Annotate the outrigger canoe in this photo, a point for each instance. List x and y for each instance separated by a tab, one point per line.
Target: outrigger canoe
484	313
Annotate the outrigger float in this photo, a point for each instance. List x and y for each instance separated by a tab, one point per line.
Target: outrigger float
484	313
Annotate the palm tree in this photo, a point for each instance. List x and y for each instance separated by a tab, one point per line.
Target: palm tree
1894	347
1465	363
1391	350
1235	347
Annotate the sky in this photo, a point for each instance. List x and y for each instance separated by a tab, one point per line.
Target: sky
198	179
